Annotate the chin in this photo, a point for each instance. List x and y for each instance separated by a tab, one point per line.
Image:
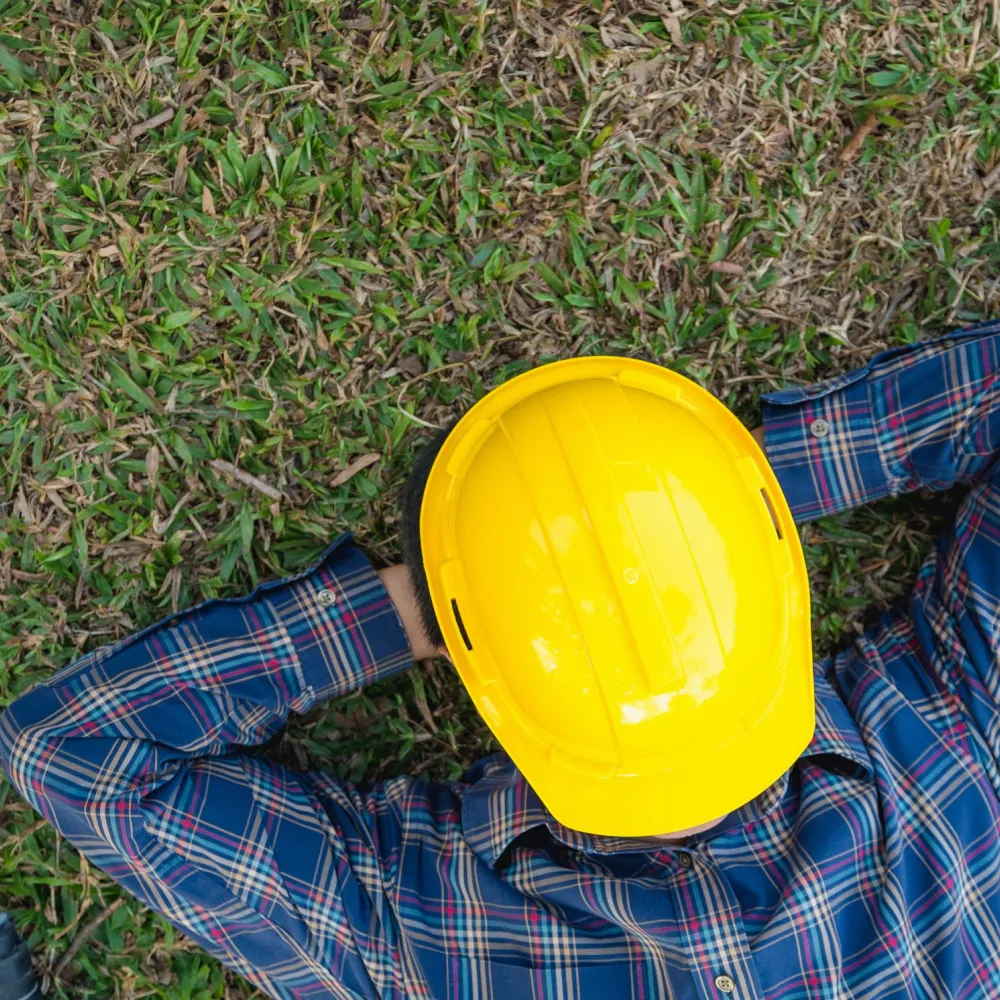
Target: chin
690	831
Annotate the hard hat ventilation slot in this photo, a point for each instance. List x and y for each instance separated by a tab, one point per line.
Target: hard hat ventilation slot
770	510
461	625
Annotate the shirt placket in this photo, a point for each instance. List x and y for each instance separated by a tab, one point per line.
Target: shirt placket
712	933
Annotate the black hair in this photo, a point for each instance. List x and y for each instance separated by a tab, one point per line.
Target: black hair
413	496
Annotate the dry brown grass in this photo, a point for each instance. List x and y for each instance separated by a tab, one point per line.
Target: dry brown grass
246	244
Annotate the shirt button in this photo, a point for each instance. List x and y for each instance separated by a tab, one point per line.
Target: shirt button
684	860
949	344
326	598
819	428
725	984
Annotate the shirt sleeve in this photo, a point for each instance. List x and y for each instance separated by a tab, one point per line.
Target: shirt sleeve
138	754
925	416
922	416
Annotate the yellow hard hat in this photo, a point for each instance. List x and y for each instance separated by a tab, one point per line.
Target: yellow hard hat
620	585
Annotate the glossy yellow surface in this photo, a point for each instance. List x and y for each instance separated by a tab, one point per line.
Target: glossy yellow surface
639	630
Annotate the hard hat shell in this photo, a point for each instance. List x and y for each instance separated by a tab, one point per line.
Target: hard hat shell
621	587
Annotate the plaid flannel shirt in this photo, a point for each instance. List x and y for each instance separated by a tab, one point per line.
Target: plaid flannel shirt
871	869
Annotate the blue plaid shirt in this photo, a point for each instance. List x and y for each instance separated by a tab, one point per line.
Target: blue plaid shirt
871	869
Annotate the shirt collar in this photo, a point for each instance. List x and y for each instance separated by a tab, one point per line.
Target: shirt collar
498	805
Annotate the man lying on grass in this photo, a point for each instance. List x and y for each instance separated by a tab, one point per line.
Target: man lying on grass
685	808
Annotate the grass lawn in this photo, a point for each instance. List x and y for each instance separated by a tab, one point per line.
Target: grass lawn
251	250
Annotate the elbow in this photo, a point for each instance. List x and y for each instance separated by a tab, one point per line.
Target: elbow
22	749
65	767
34	754
68	770
52	779
11	736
